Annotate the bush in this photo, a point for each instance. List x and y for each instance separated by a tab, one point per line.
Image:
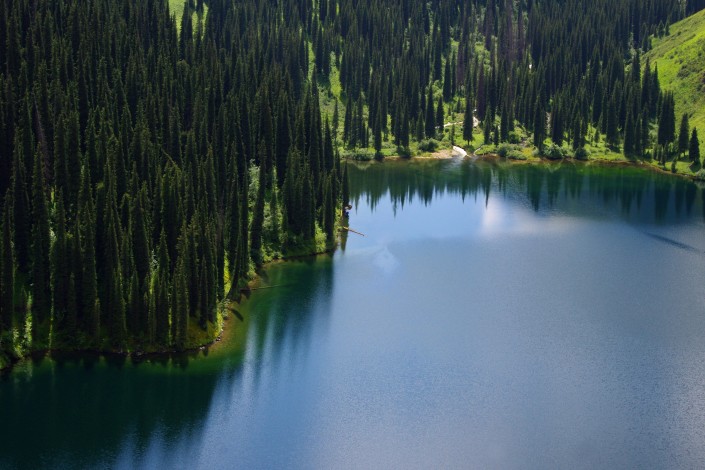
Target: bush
360	155
554	152
516	155
514	137
503	151
581	154
404	152
428	145
700	175
486	150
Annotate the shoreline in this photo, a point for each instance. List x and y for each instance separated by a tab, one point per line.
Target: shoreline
448	154
227	315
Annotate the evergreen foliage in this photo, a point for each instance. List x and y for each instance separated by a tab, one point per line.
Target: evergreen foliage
127	143
125	150
694	147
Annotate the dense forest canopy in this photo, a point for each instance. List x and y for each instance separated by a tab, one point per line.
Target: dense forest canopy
148	163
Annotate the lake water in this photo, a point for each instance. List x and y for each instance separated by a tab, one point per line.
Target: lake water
492	317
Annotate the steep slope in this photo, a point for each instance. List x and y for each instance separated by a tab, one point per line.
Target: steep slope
680	57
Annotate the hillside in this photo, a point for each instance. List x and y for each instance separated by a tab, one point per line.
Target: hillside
680	57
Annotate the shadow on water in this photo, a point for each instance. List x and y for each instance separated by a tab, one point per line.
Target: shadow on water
78	411
631	193
674	243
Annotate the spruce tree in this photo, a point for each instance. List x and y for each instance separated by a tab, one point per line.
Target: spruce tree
539	124
41	270
60	269
430	118
487	129
7	275
611	127
447	82
258	219
440	119
629	136
694	147
346	186
468	121
160	307
683	135
328	210
233	228
377	135
89	305
667	121
504	126
180	306
20	210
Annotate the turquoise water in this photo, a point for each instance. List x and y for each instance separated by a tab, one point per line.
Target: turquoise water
491	317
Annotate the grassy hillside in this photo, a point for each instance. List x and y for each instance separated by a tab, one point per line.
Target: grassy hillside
176	9
681	66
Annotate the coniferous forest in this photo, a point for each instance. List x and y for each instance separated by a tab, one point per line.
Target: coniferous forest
150	163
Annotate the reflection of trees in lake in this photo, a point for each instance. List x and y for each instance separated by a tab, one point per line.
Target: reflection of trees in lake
282	320
81	410
632	193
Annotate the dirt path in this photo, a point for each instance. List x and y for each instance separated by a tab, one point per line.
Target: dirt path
475	122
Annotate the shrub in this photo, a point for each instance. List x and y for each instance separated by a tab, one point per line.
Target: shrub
514	137
554	152
428	145
404	152
360	155
581	154
516	155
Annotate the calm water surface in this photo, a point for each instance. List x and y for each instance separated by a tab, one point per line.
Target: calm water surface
492	317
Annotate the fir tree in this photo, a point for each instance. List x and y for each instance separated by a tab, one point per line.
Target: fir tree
667	121
539	124
440	120
20	211
447	82
7	265
629	136
468	121
694	147
89	305
41	270
683	135
61	271
611	127
430	118
233	228
346	186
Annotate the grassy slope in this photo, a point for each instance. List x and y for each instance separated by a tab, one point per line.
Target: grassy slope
681	65
176	9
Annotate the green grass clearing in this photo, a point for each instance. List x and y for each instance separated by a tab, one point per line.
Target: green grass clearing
680	57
